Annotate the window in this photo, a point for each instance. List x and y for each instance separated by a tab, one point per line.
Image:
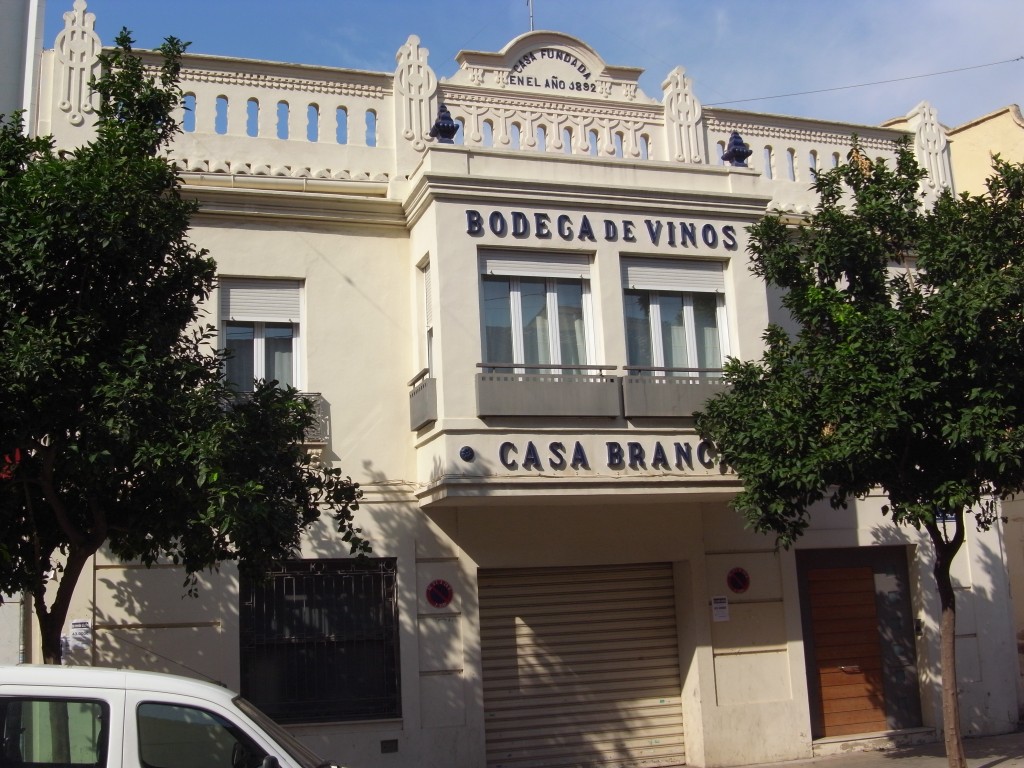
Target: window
428	316
319	641
260	323
675	317
536	310
48	732
175	736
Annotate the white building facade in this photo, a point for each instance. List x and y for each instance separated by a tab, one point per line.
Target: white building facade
508	336
21	37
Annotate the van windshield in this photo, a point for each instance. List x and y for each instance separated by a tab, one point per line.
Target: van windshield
295	749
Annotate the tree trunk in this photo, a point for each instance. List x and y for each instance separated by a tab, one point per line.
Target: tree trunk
50	626
51	620
945	550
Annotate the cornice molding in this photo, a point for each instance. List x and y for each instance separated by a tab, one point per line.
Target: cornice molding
454	490
656	201
494	99
279	82
293	199
235	171
799	129
664	200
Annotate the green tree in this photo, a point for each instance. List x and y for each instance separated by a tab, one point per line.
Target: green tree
906	374
116	426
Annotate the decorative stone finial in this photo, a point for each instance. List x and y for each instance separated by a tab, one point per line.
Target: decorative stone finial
444	128
77	47
684	123
737	152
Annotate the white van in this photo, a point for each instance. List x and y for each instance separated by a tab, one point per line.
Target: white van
78	717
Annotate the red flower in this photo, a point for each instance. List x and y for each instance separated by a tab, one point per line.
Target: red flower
10	464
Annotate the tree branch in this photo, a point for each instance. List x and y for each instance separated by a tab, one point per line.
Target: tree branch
49	487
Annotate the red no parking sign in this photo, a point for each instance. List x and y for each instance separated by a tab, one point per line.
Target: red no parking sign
439	593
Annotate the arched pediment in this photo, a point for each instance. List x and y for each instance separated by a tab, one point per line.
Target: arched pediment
550	64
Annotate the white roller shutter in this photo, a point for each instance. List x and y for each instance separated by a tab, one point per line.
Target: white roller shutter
581	667
682	275
535	265
252	300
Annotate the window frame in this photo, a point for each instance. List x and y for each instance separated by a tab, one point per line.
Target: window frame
305	660
498	266
684	278
104	721
426	281
229	726
259	349
263	302
657	341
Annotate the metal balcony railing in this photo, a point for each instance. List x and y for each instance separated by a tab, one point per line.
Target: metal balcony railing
320	431
652	392
422	400
509	389
546	390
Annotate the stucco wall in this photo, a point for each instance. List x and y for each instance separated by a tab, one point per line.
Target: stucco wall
974	143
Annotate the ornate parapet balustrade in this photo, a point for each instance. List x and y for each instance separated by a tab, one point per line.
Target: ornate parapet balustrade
534	124
545	92
789	151
262	118
239	116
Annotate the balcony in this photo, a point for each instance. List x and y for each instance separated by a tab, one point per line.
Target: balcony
319	431
669	392
547	390
565	391
422	400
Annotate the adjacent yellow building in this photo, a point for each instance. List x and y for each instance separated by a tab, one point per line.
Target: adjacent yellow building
974	143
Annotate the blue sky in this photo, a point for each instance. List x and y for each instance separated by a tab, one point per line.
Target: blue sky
733	49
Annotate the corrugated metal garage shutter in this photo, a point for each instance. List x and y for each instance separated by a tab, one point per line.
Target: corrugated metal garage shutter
581	667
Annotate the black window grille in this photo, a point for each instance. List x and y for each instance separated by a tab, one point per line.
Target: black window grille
319	641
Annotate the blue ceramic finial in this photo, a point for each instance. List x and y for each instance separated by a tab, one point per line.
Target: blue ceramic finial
444	128
737	152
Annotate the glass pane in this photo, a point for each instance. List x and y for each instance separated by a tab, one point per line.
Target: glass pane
238	370
638	327
277	344
673	331
705	321
534	301
48	732
172	736
497	311
572	334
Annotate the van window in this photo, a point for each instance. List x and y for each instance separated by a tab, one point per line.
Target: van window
173	736
53	732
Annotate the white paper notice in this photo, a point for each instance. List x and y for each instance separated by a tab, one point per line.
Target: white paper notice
720	608
81	633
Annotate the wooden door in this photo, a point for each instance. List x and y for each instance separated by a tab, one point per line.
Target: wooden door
847	651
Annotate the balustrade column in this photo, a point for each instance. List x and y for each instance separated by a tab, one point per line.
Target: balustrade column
267	118
237	117
206	109
296	121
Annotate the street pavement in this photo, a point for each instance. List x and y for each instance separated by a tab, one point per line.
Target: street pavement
1005	751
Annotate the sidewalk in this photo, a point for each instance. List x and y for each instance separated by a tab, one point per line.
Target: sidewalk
1005	751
